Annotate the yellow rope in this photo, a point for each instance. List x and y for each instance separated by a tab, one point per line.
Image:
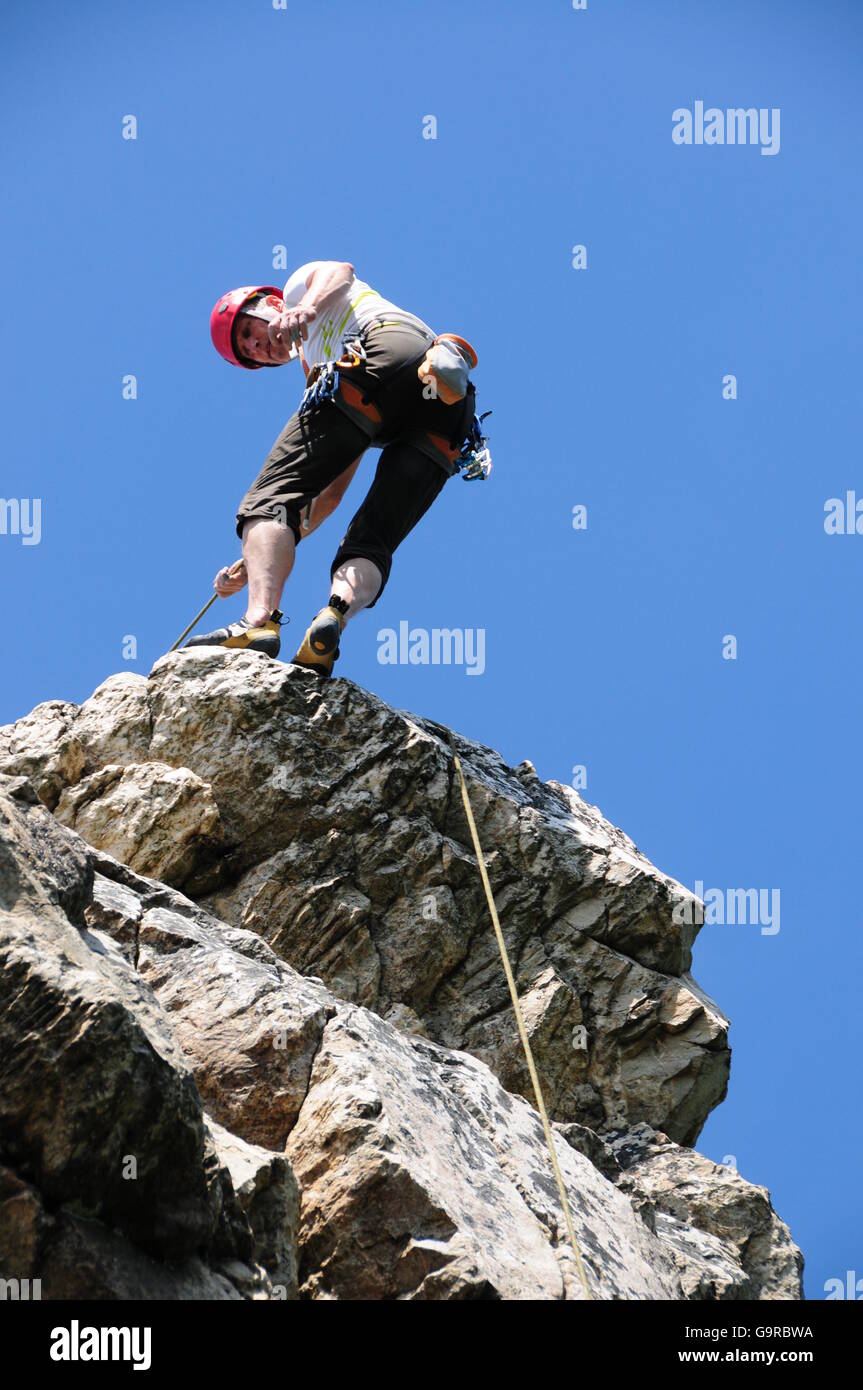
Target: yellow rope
537	1090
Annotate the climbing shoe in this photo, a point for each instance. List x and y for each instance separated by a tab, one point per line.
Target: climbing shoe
242	636
320	646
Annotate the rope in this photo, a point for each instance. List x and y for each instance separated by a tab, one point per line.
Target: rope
193	623
232	570
531	1066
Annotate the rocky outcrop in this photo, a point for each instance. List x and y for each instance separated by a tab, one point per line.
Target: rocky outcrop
245	943
112	1183
327	823
706	1207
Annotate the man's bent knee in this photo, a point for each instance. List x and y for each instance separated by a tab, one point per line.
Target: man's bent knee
282	515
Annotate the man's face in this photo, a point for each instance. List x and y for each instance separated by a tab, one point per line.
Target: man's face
252	338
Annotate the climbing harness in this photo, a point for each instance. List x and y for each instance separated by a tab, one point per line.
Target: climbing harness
474	461
531	1066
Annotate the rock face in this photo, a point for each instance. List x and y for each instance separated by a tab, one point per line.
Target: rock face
113	1184
246	953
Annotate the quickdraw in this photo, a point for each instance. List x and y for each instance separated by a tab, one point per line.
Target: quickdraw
321	384
474	462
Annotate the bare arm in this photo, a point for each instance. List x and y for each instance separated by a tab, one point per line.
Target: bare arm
327	501
326	284
323	285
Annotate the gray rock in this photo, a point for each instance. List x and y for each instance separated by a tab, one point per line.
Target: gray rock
714	1201
330	825
160	820
111	1186
268	1193
325	999
96	1082
423	1179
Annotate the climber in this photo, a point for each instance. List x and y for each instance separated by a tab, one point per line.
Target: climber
376	375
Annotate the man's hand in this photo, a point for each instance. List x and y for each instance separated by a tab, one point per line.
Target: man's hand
291	328
231	579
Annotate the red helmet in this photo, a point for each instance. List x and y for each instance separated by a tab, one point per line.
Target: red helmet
224	315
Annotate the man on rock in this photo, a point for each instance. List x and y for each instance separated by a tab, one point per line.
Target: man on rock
398	387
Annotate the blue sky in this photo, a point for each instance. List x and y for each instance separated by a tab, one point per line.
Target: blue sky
303	127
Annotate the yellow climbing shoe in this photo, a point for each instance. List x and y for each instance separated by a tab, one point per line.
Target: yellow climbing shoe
320	646
242	636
